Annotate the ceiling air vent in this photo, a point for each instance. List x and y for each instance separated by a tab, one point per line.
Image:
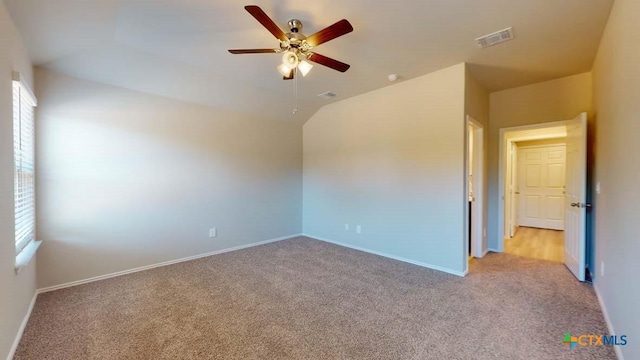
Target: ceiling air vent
328	95
495	38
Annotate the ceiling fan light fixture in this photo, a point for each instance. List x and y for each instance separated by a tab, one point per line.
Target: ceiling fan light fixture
290	59
304	67
295	47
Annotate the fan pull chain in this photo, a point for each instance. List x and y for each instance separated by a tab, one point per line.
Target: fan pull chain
295	91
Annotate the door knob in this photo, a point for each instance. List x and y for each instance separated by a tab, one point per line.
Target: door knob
575	204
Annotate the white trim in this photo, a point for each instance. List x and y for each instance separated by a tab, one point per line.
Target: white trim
503	145
165	263
434	267
560	143
536	126
616	348
494	250
24	257
17	77
485	252
23	326
477	207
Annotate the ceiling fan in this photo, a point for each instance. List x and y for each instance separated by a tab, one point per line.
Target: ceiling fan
295	47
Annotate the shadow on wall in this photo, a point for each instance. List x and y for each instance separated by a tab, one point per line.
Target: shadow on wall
127	179
513	77
84	245
118	108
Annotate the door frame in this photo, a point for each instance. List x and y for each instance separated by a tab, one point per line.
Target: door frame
478	230
511	201
506	142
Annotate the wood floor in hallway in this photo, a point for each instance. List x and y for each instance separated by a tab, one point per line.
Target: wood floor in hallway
535	243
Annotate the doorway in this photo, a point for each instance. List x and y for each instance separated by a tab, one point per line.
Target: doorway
536	226
474	190
542	181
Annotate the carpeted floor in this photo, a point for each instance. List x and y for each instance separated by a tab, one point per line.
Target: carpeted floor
306	299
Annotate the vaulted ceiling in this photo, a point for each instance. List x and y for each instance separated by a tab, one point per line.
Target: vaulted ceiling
178	48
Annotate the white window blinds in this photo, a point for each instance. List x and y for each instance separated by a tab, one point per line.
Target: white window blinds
24	176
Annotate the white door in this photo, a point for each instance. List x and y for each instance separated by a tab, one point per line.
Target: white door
541	173
576	196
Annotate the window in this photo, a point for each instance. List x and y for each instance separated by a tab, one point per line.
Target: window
23	171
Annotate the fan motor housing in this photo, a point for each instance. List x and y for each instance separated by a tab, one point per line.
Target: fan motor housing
296	39
295	25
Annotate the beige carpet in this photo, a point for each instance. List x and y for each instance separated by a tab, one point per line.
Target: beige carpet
306	299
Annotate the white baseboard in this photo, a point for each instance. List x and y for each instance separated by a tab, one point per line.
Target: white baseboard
493	250
14	347
165	263
485	252
434	267
617	349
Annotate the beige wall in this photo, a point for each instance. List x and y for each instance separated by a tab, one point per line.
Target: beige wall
127	179
555	100
392	161
476	104
476	100
16	291
616	76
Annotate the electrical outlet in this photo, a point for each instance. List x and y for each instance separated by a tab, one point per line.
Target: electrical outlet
598	188
346	227
358	229
601	268
213	232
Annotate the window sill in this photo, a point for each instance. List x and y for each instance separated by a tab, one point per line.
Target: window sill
24	257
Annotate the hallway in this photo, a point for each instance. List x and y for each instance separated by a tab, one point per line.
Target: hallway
536	243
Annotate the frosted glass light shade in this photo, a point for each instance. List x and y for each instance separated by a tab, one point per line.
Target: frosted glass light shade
304	67
290	59
284	70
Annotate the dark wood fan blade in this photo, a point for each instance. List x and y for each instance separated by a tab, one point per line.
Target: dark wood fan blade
266	21
329	33
253	51
328	62
292	73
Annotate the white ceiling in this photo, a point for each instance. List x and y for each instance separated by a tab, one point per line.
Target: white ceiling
178	48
